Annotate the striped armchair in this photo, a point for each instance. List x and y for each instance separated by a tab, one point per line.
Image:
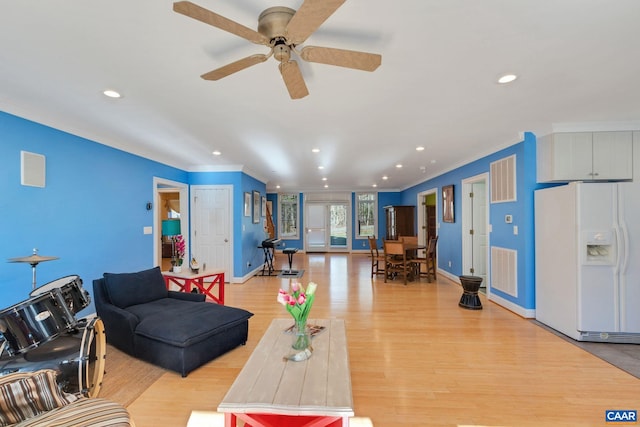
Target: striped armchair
31	399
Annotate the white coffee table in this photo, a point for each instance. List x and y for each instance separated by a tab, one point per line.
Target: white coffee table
271	392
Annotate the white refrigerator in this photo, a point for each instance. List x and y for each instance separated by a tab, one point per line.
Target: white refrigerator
588	260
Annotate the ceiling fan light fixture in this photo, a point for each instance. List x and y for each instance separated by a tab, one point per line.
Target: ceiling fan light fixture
281	52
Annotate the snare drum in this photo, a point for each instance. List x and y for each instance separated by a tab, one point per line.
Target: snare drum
35	321
72	291
77	358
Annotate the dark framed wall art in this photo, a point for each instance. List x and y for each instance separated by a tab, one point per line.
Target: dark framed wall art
256	207
447	204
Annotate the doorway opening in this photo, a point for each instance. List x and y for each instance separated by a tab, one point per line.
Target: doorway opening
170	201
327	227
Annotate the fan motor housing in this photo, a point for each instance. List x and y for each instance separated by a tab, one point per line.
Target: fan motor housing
272	22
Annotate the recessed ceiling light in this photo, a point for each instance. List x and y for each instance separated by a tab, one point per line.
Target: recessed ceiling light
277	186
326	186
433	162
111	93
315	150
216	153
385	177
374	185
320	167
324	179
420	148
398	165
507	78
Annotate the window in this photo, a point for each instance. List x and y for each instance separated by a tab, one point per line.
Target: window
288	218
366	208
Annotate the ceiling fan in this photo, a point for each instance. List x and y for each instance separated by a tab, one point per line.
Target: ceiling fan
282	29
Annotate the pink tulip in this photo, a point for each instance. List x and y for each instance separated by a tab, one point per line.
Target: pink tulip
301	299
295	286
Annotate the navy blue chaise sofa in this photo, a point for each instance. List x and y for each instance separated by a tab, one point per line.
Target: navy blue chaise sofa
178	331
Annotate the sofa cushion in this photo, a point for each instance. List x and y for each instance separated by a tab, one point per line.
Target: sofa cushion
126	289
90	412
182	323
26	395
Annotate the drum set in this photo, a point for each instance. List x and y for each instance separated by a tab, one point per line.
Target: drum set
43	332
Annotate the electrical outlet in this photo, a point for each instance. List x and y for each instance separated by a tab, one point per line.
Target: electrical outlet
449	263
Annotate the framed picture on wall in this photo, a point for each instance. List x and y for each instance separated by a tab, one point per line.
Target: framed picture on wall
247	204
447	204
256	207
264	206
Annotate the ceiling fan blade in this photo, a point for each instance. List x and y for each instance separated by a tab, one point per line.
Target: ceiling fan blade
342	58
293	79
309	17
234	67
208	17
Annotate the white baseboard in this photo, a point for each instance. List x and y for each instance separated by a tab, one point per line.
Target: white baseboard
527	313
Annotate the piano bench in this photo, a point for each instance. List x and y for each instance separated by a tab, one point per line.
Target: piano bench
290	252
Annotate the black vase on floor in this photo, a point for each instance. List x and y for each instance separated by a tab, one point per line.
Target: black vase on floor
470	298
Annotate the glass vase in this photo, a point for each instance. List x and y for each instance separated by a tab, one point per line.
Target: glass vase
301	348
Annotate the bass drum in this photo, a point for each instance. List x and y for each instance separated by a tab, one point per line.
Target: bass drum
78	359
75	296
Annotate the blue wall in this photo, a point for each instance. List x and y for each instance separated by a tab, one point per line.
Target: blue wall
91	214
92	211
450	234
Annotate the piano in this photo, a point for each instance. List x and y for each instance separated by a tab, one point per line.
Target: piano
268	246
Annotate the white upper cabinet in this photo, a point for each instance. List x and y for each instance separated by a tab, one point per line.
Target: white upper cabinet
585	156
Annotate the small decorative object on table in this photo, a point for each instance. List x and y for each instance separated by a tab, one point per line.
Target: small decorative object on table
195	267
298	303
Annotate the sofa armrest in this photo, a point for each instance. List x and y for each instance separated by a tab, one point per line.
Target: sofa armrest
187	296
119	324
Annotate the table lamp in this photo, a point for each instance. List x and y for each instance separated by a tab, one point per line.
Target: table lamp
171	228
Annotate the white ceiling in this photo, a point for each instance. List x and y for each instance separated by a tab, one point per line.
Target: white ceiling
578	61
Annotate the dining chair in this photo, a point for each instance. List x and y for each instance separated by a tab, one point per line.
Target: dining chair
396	261
413	240
410	240
429	261
377	260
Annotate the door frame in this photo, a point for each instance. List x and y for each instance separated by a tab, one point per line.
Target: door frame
422	217
161	185
467	242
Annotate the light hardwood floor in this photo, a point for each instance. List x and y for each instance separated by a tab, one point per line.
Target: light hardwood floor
417	359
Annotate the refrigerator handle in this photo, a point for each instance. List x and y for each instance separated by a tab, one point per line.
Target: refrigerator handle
624	247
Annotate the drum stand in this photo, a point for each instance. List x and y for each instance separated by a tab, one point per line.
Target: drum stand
34	260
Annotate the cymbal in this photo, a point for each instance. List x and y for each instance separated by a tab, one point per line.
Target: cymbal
33	259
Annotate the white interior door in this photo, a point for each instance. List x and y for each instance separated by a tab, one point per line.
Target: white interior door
475	237
211	228
316	229
479	237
